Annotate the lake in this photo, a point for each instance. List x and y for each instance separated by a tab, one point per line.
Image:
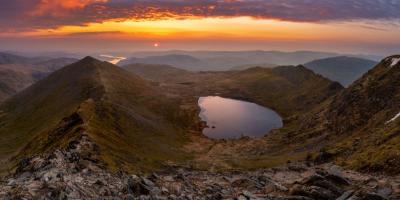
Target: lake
232	119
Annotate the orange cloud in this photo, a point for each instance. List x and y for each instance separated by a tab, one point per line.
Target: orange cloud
61	7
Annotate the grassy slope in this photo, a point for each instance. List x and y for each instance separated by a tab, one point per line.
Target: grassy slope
131	123
352	125
42	106
289	90
145	127
360	114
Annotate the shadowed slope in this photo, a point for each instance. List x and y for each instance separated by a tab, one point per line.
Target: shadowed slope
359	127
342	69
368	112
13	79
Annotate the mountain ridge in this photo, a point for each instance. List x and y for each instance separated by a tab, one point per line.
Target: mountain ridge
358	127
106	102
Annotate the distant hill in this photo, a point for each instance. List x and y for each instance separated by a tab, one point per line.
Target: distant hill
181	61
54	64
6	58
244	67
133	125
160	73
342	69
20	72
226	60
14	78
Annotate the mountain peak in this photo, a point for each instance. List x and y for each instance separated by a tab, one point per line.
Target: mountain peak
113	105
89	59
392	60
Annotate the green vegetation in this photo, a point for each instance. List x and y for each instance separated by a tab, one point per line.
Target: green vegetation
139	125
135	126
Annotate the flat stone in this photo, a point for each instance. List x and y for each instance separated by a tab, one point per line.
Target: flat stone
345	195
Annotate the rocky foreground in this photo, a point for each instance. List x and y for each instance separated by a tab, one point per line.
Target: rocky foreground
75	173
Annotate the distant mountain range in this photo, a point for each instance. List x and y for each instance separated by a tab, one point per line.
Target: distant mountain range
18	72
181	61
226	60
343	69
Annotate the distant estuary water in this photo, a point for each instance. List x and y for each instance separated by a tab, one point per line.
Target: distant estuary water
231	119
113	59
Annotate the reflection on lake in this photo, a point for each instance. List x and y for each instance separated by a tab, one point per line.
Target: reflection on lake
230	119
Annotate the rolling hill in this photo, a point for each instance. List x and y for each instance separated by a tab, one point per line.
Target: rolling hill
159	73
225	60
134	126
6	58
344	70
21	72
247	66
13	79
181	61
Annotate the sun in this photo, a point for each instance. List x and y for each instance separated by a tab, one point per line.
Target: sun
156	45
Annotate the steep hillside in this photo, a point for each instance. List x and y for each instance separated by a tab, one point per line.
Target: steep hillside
344	70
359	127
367	112
128	119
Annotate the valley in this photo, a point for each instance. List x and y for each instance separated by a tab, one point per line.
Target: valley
144	118
200	100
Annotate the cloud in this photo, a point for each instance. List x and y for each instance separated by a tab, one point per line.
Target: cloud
19	15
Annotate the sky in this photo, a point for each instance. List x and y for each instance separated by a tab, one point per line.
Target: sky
350	26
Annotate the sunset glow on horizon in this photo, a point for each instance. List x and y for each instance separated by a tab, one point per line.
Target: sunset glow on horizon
177	22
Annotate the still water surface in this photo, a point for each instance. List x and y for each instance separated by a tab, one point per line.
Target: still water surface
230	119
